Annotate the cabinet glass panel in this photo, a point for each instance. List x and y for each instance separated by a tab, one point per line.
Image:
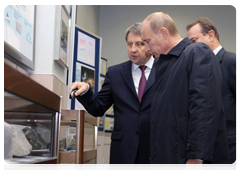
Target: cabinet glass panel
68	136
30	130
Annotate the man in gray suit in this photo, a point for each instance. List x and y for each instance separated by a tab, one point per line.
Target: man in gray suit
203	30
132	104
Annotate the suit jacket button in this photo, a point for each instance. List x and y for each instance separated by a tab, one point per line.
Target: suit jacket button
188	145
195	145
137	132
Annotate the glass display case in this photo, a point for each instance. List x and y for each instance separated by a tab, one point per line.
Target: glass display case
31	120
78	137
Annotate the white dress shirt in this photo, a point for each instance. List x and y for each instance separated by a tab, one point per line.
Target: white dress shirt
217	50
137	73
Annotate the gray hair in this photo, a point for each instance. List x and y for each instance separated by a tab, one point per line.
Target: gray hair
135	29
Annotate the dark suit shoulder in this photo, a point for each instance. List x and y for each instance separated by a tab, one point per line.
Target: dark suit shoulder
119	66
194	51
230	55
228	58
197	46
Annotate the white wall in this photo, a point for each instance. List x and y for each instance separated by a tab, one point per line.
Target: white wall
44	38
44	43
115	19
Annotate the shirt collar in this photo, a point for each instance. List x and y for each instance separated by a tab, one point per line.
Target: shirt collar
217	50
149	64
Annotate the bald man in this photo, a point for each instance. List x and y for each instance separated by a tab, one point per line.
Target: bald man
187	122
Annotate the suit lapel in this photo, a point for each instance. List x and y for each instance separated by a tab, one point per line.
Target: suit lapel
220	54
126	73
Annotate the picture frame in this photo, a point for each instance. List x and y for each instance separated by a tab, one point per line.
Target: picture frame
86	74
62	36
19	35
101	81
86	49
103	66
88	56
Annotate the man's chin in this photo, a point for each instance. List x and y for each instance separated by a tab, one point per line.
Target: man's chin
155	55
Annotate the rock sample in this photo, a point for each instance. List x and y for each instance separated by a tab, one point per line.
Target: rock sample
7	141
63	145
71	142
35	139
20	145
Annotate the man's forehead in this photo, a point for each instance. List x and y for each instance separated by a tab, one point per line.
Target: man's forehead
195	28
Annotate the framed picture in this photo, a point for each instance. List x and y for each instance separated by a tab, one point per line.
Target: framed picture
86	61
62	36
86	49
85	74
103	69
101	81
19	35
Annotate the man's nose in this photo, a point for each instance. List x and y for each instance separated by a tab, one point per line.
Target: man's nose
133	49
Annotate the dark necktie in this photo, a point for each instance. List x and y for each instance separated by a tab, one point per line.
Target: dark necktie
142	83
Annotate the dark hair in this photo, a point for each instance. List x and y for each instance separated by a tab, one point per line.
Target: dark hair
206	25
135	29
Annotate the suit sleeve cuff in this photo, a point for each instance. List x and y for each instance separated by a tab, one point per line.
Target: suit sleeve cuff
86	90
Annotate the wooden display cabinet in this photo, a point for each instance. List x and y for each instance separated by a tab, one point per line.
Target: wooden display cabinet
28	104
86	137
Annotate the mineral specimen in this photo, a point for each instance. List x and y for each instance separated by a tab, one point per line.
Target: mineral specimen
20	145
34	139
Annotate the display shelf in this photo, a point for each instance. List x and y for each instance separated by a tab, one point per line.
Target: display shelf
29	105
33	160
70	156
82	120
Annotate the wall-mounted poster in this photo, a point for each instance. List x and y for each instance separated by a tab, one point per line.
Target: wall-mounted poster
85	74
86	49
19	34
86	61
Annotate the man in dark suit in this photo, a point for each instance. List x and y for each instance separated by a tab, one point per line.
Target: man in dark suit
123	87
187	122
203	30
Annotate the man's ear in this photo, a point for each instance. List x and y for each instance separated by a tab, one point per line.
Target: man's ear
211	35
164	32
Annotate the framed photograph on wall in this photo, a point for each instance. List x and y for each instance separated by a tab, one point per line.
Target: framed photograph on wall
103	69
85	74
86	61
62	36
19	35
101	81
86	49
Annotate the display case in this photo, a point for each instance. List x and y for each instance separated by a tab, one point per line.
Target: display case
78	139
31	120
